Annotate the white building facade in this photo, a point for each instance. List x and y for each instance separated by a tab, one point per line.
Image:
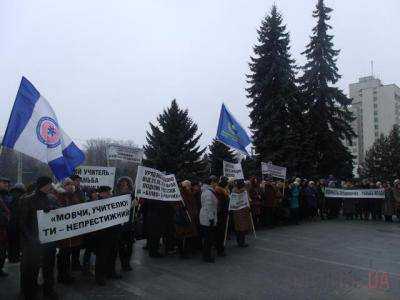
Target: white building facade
376	108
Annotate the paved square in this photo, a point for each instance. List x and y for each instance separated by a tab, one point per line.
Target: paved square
323	260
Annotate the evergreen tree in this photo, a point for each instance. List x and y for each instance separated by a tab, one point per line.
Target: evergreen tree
218	153
274	107
251	167
172	145
327	108
382	161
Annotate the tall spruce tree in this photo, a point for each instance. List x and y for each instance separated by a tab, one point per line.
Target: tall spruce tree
172	145
382	161
218	153
274	107
327	108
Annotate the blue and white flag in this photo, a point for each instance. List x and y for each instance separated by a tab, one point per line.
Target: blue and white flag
33	129
231	133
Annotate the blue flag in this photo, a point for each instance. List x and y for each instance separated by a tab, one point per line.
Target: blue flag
231	133
33	129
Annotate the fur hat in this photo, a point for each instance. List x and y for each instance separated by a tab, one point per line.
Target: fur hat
43	181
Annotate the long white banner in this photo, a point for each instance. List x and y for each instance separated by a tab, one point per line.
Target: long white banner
233	170
82	218
361	193
96	176
153	184
239	201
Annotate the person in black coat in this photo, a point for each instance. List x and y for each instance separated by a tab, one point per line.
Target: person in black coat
125	245
35	254
106	244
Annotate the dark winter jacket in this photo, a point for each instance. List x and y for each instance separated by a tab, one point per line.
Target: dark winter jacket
28	220
311	196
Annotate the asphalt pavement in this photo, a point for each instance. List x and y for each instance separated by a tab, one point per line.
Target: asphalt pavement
323	260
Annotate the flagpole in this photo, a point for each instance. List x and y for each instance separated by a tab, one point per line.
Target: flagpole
19	176
226	229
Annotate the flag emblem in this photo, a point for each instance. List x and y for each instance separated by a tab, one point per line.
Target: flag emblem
48	132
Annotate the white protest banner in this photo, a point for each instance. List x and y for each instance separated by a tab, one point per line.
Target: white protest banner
238	201
233	170
272	170
82	218
130	154
153	184
360	193
96	176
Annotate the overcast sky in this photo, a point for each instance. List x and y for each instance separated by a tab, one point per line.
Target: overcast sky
110	67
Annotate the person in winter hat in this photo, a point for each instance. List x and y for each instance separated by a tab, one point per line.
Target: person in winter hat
35	254
125	245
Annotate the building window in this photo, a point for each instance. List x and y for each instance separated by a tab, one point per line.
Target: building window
375	105
375	113
375	99
376	120
376	127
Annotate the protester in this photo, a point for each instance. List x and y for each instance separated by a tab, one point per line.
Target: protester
208	218
396	198
125	187
67	197
255	200
106	243
279	211
241	218
349	203
268	197
377	204
312	201
388	204
295	201
5	216
14	244
320	186
80	194
35	254
187	221
222	192
152	210
168	226
89	242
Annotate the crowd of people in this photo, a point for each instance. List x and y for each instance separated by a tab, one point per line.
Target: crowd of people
201	223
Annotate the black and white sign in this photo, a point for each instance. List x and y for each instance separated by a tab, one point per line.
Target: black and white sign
153	184
95	176
238	201
125	153
82	218
232	170
361	193
273	171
